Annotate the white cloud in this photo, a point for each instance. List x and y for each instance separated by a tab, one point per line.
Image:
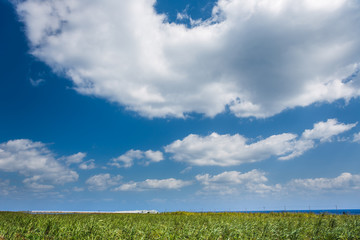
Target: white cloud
236	182
36	83
6	188
151	184
132	186
255	181
34	161
322	131
153	156
357	137
230	150
33	183
344	182
257	57
227	150
88	165
75	158
78	159
184	16
102	182
169	183
127	160
299	148
186	170
78	189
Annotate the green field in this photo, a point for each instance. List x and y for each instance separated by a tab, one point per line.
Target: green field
180	225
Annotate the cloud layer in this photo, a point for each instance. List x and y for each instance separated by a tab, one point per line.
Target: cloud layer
230	150
102	182
322	132
5	188
255	181
153	184
34	161
127	160
236	182
344	182
256	57
357	137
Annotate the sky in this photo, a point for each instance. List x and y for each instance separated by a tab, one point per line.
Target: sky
228	105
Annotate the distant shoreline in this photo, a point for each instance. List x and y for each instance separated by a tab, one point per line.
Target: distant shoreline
315	211
92	212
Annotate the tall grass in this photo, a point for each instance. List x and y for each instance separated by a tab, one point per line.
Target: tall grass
179	225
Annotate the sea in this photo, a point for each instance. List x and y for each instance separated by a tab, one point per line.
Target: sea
317	211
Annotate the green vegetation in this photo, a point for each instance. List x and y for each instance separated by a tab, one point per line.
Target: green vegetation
179	225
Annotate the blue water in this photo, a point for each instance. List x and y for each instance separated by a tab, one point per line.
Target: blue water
322	211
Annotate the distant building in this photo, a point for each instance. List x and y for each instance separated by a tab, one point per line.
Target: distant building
90	212
139	211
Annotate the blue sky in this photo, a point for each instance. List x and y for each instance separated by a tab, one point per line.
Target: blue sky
179	105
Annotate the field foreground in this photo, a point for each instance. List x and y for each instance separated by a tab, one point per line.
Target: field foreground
179	225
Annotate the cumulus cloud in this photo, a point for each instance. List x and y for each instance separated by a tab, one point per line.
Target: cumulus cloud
151	184
6	188
88	165
236	182
33	183
255	181
227	150
127	160
322	131
102	182
78	159
256	57
34	161
153	156
75	158
344	182
357	137
230	150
